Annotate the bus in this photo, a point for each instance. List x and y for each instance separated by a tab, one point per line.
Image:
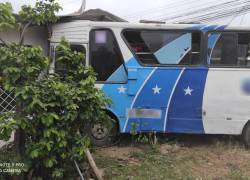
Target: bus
166	78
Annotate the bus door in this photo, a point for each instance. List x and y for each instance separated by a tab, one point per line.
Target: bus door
106	59
169	97
226	98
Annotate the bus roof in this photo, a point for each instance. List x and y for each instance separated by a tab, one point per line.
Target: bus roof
72	30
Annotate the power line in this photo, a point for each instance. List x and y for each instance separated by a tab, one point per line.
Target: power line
197	7
205	14
220	6
228	12
187	10
152	10
221	14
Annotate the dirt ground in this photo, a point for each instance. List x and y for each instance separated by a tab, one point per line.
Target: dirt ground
188	157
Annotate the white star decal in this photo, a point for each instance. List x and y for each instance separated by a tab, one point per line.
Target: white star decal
156	89
122	90
188	91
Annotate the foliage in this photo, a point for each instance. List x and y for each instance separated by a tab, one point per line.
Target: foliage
141	137
54	108
42	13
21	65
7	20
51	109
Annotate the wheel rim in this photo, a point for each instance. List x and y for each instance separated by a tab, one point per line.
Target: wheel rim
99	131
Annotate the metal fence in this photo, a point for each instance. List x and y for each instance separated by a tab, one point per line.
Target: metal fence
7	101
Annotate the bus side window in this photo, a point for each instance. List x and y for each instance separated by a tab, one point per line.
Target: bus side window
225	50
60	67
231	49
244	49
158	47
105	57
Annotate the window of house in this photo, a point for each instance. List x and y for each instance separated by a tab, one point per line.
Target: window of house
229	49
60	67
164	47
105	57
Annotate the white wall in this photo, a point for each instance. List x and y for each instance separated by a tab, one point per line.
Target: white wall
35	36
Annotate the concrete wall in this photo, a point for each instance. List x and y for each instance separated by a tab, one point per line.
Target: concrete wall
35	36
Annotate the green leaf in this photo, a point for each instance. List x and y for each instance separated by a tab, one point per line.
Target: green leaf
50	162
34	154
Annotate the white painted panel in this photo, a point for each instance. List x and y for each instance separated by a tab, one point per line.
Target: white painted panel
99	86
226	106
73	32
126	53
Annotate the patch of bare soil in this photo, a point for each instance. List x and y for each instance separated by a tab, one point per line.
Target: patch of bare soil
122	154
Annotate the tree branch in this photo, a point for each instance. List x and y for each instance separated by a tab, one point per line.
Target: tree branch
23	32
93	165
3	41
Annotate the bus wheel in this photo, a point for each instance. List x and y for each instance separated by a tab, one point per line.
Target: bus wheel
246	135
100	135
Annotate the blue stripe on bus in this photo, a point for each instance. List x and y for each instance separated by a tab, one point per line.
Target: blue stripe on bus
185	112
165	80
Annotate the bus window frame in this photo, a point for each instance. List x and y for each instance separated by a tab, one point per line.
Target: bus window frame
202	46
119	49
52	55
223	31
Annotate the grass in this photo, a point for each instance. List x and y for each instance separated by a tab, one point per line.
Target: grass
216	159
148	164
185	158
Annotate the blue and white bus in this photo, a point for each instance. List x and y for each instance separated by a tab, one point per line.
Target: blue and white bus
163	78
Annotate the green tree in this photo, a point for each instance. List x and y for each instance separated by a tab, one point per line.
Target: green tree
51	110
19	64
7	20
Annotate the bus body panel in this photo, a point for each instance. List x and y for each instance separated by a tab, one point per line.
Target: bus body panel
226	105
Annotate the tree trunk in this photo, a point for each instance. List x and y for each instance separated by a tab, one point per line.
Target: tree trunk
19	142
93	165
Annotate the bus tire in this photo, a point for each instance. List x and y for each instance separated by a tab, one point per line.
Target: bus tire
100	135
246	135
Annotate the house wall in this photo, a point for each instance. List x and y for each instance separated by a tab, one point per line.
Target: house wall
35	36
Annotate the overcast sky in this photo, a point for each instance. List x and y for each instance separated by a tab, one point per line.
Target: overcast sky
119	7
134	10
